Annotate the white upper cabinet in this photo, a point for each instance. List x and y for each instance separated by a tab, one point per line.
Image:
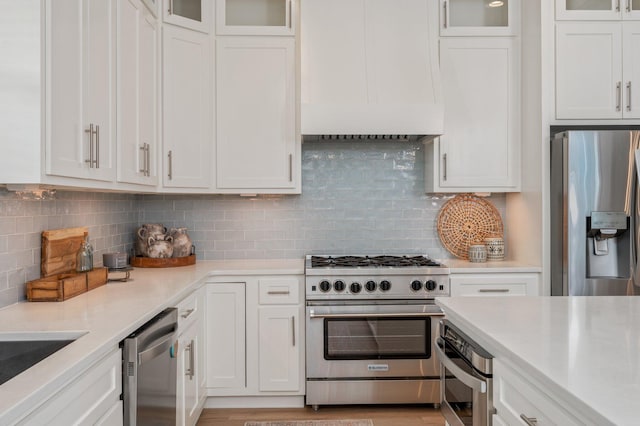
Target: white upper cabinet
609	51
187	108
480	147
257	145
255	17
192	14
81	89
138	70
593	10
479	17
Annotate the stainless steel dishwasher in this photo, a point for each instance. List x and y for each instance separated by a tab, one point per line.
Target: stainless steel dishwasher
149	372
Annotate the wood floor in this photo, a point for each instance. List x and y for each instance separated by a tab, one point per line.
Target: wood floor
382	415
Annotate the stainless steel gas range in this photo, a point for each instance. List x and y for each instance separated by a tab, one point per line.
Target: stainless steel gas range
371	322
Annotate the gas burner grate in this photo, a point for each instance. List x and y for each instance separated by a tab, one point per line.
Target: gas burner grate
373	261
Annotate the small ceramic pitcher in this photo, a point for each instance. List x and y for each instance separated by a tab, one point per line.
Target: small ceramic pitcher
160	248
155	230
181	242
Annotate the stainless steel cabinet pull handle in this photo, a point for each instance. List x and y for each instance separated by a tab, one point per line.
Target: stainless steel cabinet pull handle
618	6
90	160
143	148
530	421
293	330
312	315
628	6
97	146
190	371
148	160
290	167
618	94
446	14
290	14
278	292
187	313
170	174
629	96
494	290
444	162
170	7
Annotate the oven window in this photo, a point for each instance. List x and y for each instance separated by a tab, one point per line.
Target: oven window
377	338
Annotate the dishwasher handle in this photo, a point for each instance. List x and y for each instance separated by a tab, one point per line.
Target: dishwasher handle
157	347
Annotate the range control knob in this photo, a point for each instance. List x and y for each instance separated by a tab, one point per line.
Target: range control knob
355	287
370	285
338	285
325	286
385	285
416	285
430	285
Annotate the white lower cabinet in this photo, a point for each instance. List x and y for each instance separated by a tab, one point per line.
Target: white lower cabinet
516	397
265	314
225	336
92	398
191	392
495	284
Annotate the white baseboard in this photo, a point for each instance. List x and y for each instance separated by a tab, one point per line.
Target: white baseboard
254	402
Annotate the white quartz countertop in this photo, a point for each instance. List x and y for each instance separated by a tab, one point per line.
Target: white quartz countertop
106	315
585	350
460	266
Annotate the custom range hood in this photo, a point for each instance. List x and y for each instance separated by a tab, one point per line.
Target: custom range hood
369	69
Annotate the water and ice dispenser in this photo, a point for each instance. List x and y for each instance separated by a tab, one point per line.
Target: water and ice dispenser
608	245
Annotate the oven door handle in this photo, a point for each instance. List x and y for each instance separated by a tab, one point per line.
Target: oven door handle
466	378
365	315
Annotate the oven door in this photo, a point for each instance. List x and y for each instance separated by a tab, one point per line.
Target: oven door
466	394
385	339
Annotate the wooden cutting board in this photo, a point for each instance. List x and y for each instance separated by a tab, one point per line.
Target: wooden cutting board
59	250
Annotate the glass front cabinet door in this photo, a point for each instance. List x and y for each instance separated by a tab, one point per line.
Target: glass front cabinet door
597	9
255	17
192	14
479	17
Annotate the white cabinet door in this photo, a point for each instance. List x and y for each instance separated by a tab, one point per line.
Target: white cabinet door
503	284
187	116
81	88
255	17
225	312
479	17
188	392
480	147
631	68
192	14
257	145
138	70
515	396
279	348
92	398
597	10
589	70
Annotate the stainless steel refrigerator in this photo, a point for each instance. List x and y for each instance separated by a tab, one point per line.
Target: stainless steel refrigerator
594	213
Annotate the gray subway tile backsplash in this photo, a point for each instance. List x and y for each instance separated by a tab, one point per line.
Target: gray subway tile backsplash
357	197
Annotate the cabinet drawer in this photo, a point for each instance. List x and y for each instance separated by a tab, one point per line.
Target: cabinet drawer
514	396
188	310
494	285
279	291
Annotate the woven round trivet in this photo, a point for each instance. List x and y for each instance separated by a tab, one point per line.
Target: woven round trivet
465	220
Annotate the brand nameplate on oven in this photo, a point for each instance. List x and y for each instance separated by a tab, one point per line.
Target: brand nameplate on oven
378	367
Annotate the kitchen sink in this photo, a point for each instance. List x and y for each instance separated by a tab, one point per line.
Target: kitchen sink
19	351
